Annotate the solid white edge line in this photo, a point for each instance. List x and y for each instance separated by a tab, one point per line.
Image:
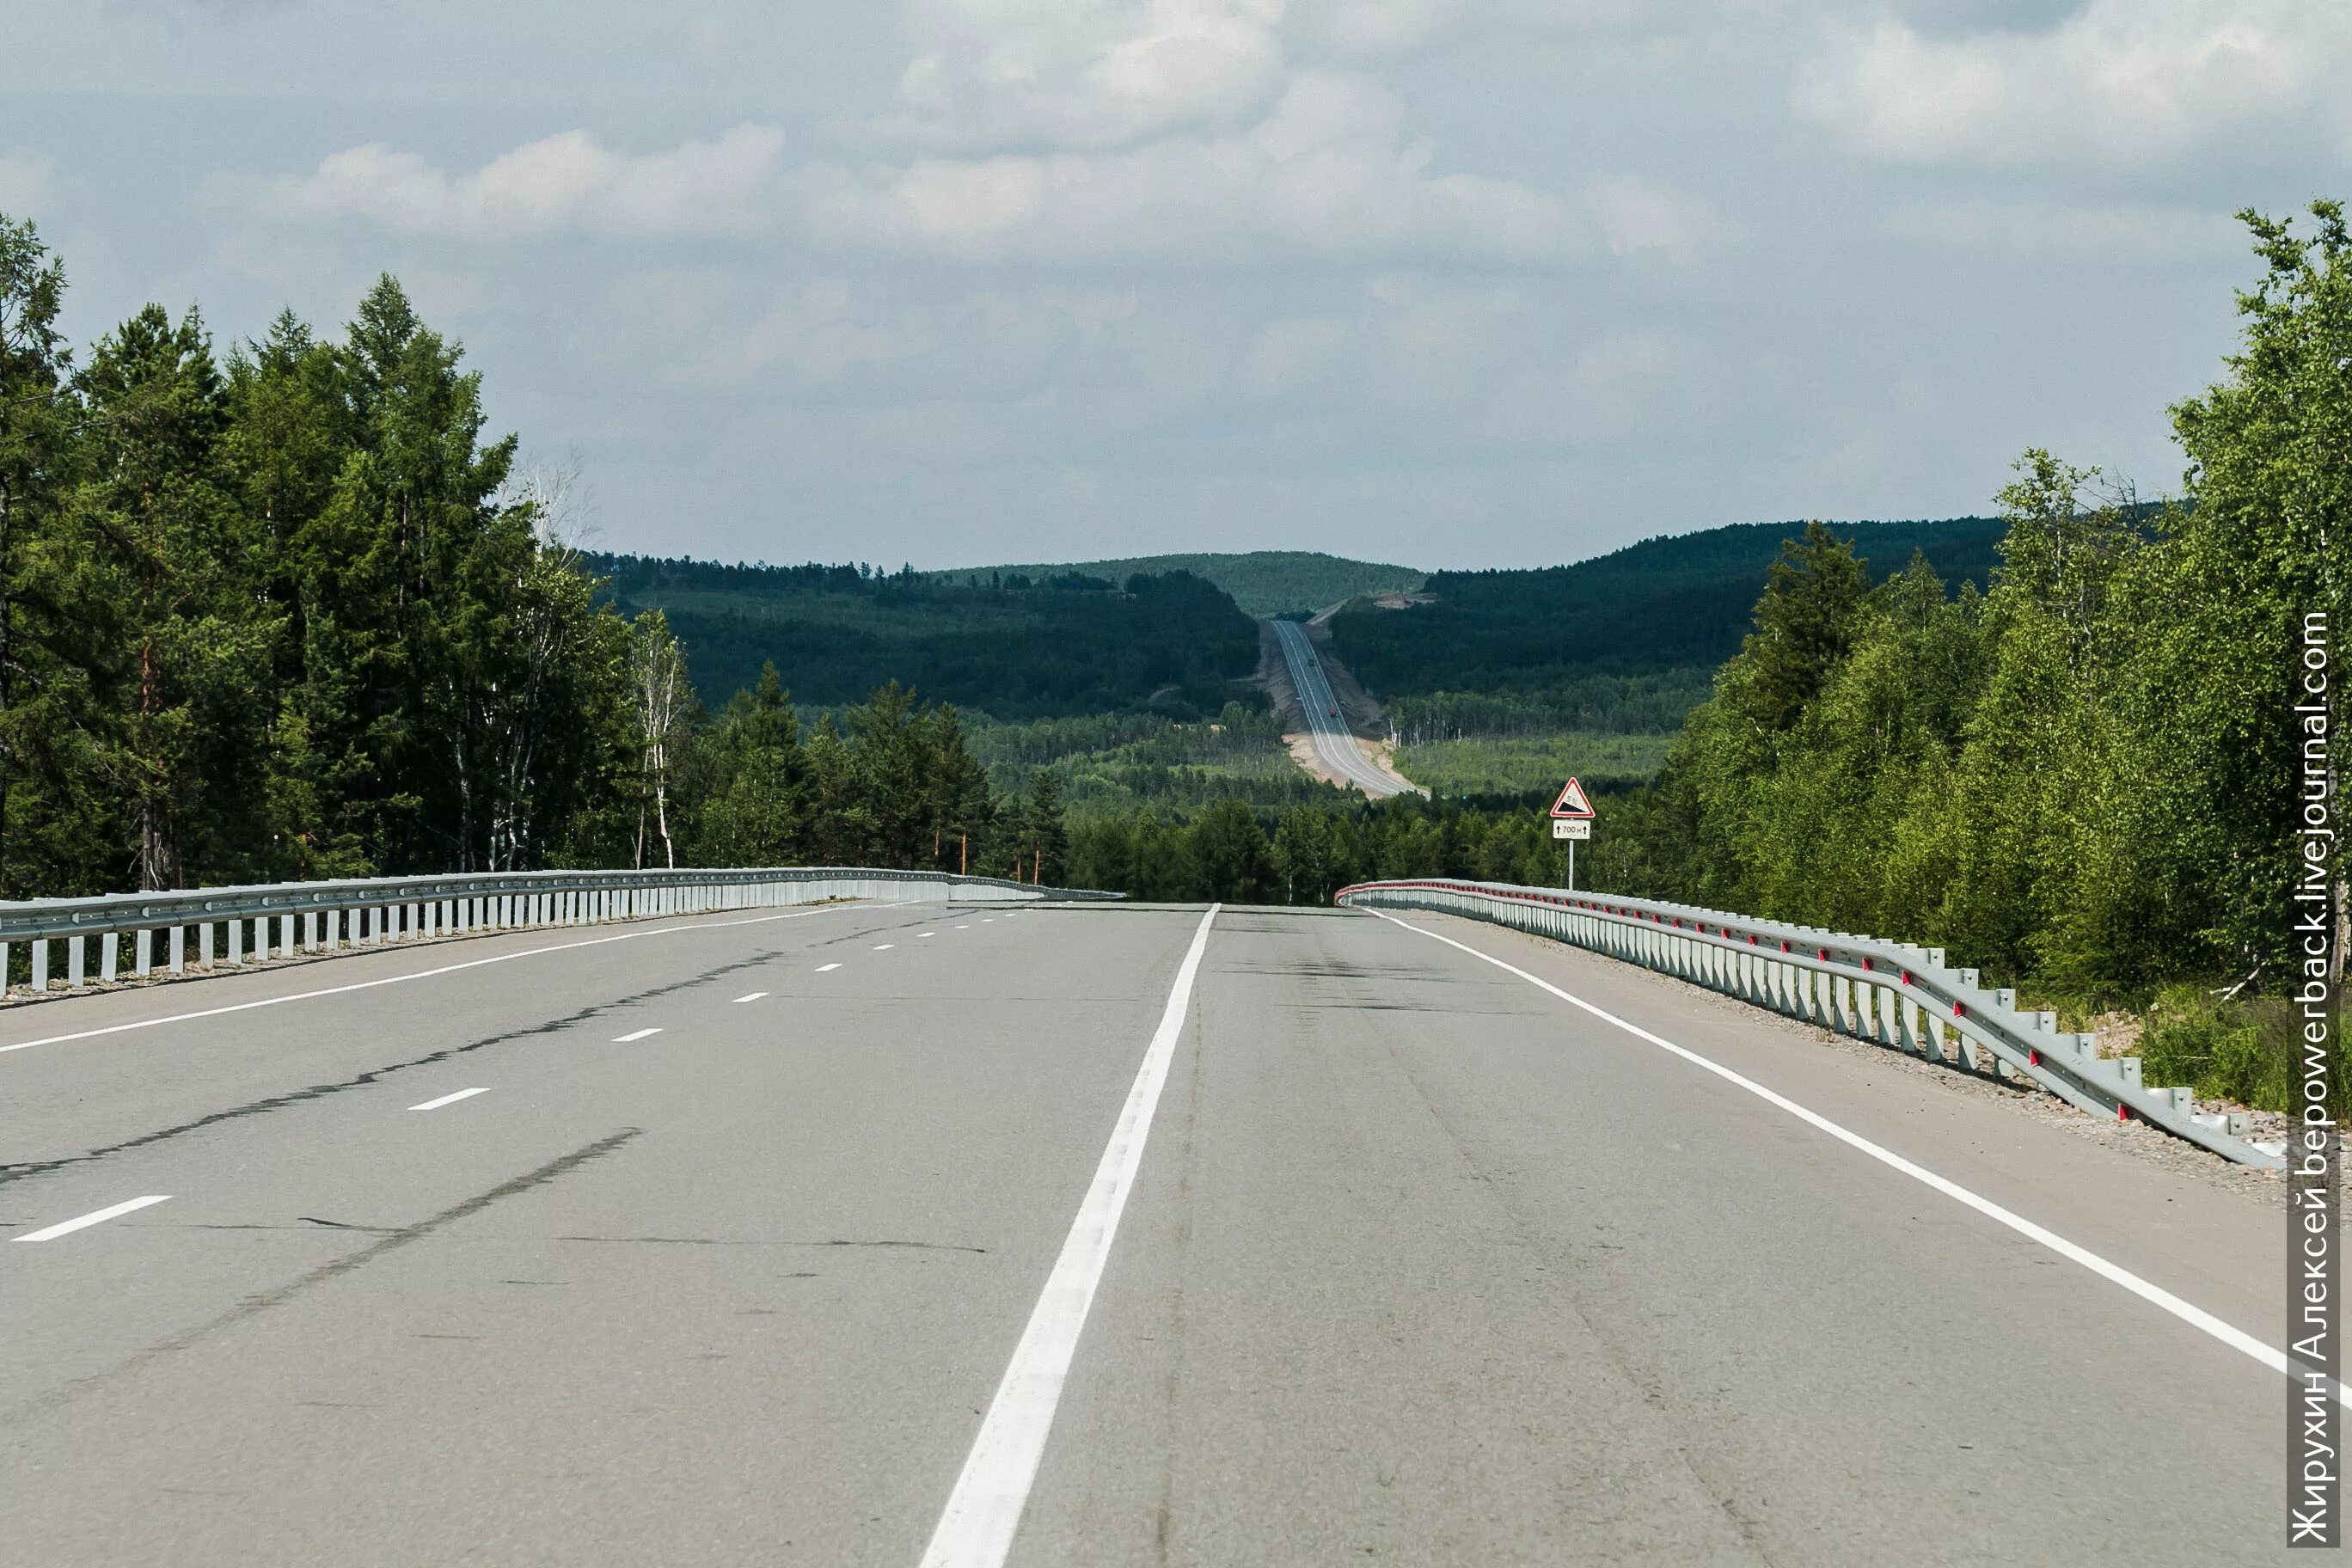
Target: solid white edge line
66	1227
976	1529
639	1035
2155	1295
449	1099
419	975
753	996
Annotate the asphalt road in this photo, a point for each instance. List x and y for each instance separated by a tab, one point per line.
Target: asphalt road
1346	1247
1334	742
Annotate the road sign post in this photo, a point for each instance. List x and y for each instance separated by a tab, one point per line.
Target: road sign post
1571	819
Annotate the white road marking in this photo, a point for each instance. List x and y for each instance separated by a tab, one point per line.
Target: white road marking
2155	1295
927	934
823	967
884	946
963	928
449	1099
753	996
641	1034
68	1227
419	975
984	1511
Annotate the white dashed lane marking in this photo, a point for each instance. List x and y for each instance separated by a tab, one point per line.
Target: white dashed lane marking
449	1099
641	1034
66	1227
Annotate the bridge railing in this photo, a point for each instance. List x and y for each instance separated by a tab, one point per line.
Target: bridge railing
1893	993
135	935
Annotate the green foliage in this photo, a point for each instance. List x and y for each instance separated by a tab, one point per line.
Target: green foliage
1113	764
1649	703
2086	779
1533	766
1020	650
284	616
1663	605
1304	853
1264	583
2221	1049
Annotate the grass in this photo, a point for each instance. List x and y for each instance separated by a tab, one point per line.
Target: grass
1114	766
2245	1050
1522	764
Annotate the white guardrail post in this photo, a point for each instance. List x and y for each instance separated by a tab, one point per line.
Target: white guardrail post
1893	993
247	925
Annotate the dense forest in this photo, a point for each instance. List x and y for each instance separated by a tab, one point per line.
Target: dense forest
285	613
1666	604
1007	644
1262	582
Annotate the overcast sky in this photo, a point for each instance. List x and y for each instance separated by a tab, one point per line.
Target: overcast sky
1450	282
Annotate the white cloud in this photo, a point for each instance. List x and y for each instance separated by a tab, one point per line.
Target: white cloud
1083	73
2121	81
27	183
1294	351
565	183
1637	217
2129	234
818	332
1376	28
1328	171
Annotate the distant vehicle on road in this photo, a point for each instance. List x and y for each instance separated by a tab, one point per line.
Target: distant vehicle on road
1334	713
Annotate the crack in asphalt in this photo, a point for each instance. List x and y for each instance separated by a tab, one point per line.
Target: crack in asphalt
390	1241
17	1170
725	1241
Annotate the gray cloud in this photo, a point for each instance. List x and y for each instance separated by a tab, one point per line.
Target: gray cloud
1449	281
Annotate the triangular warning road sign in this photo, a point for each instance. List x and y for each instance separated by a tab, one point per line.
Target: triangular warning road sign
1571	803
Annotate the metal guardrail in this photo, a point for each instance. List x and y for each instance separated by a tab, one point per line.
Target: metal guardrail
1893	993
280	919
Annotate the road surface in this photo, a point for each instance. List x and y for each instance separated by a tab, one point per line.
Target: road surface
1308	1237
1334	742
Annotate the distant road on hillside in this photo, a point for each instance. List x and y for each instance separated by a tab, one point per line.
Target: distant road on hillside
1333	741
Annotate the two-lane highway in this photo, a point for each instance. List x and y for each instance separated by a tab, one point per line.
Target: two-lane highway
1325	727
1068	1234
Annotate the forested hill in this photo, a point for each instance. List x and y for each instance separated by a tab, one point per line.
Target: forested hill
1011	649
1664	604
1262	582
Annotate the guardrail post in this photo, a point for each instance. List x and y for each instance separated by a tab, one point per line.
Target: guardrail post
73	961
142	952
106	956
179	953
41	964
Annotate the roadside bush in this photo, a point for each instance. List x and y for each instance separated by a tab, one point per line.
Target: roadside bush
2244	1051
